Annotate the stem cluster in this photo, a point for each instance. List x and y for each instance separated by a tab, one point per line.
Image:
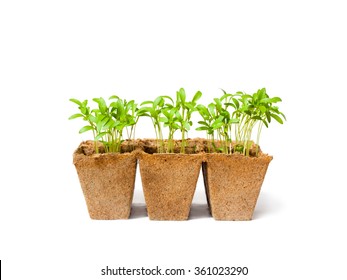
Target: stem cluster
108	122
174	115
232	119
229	121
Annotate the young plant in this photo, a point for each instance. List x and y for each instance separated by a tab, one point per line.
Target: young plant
154	111
184	110
253	110
87	116
169	119
210	124
108	122
122	117
164	112
224	129
217	120
234	117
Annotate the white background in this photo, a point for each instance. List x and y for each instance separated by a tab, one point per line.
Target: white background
51	51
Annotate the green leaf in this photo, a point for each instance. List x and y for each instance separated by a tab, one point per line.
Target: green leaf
262	109
268	116
212	109
277	118
102	104
178	115
224	114
167	113
218	103
271	100
114	97
247	96
186	126
76	101
91	118
100	135
163	119
220	119
201	128
146	109
142	113
157	101
76	116
230	104
236	102
85	128
182	95
226	95
190	106
175	126
197	96
218	122
130	105
217	125
275	99
113	106
167	97
120	108
203	111
266	123
146	102
110	124
233	121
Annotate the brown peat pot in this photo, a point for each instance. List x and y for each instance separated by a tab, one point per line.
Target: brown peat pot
108	182
233	183
169	182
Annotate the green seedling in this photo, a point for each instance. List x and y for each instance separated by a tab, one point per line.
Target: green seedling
209	124
184	113
169	119
254	110
87	116
155	111
217	120
224	131
164	112
230	119
108	122
234	117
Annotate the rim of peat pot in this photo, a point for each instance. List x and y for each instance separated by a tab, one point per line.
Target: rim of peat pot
107	182
169	182
233	183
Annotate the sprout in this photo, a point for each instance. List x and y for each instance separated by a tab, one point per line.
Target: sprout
108	123
233	117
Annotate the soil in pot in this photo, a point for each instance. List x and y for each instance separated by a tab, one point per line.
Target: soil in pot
107	181
233	183
169	182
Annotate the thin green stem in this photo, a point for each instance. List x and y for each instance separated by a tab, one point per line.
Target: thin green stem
260	126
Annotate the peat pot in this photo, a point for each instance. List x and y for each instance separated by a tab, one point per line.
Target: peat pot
233	183
108	182
169	182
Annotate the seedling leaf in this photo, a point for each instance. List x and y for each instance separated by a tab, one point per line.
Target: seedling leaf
76	101
76	116
85	128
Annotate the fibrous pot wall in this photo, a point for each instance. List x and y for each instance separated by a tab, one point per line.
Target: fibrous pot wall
107	181
169	182
233	183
